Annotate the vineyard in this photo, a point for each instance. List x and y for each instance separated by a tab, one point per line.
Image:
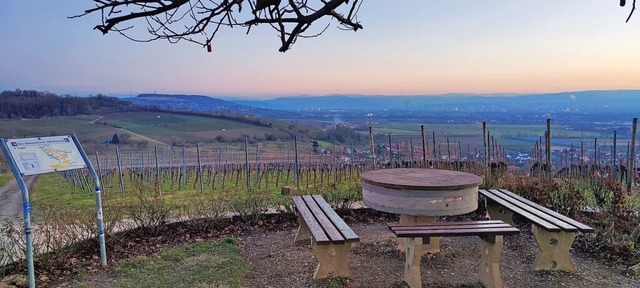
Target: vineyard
145	189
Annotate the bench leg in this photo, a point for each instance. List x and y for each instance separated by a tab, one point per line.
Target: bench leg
497	212
332	260
413	254
554	250
491	250
303	232
429	245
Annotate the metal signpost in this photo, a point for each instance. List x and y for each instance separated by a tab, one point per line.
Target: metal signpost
32	156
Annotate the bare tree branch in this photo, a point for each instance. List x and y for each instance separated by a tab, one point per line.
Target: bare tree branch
199	21
633	9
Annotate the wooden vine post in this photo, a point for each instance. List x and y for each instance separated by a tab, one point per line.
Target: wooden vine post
632	155
373	149
424	146
548	149
297	165
119	170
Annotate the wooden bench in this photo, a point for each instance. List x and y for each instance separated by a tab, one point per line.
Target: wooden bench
553	231
490	232
330	236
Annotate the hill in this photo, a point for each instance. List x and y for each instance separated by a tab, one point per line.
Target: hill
578	101
181	102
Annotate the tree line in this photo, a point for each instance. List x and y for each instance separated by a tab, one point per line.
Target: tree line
37	104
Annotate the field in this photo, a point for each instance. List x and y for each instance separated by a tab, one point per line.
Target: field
139	129
177	129
90	134
512	137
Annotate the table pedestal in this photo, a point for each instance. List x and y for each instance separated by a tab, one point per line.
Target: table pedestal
430	246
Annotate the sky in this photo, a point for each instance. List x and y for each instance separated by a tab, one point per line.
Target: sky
408	47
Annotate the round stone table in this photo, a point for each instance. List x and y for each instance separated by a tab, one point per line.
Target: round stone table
420	195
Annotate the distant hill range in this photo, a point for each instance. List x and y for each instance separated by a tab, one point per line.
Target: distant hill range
580	101
181	102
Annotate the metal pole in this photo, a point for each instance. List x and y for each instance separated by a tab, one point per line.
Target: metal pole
26	210
96	180
424	146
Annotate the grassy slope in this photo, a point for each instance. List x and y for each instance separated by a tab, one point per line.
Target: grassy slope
169	128
201	264
164	127
89	134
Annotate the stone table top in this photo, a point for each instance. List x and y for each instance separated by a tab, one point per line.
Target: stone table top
421	179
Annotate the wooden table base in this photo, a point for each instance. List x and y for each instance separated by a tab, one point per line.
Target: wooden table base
429	245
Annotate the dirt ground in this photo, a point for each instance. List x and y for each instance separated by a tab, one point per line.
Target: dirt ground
375	262
11	199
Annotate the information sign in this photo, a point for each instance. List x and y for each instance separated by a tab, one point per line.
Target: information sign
45	154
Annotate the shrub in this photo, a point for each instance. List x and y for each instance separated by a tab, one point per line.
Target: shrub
151	211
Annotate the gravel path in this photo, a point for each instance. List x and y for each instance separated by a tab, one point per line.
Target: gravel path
11	199
375	262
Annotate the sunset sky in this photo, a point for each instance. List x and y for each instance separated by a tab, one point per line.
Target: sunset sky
406	48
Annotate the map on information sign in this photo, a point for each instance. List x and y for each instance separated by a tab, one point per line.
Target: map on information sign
45	154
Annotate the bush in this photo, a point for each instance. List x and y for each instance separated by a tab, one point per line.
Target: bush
151	211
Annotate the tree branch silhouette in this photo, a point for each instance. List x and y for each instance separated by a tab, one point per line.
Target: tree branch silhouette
199	21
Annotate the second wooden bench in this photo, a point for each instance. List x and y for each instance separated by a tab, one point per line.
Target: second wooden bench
490	232
331	237
554	232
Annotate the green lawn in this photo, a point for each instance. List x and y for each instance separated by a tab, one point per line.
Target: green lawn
201	264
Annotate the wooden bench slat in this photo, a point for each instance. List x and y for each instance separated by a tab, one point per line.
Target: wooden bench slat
580	226
448	226
344	229
539	221
469	223
332	232
517	201
470	228
457	232
314	227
